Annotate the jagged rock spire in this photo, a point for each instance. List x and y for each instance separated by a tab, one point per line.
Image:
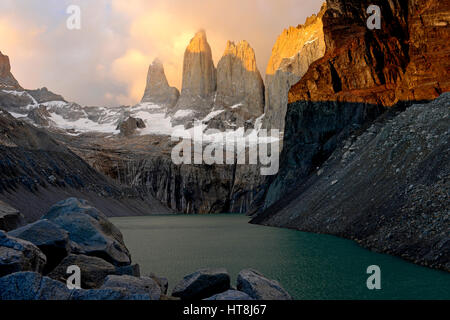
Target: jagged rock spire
7	80
158	90
239	80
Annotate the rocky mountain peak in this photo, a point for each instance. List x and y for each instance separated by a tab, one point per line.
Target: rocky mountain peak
239	82
158	90
199	77
7	80
199	73
294	51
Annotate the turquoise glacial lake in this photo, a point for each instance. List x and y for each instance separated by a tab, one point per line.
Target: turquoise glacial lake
308	266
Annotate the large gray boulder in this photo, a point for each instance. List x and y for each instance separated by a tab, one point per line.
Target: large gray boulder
32	286
134	285
90	231
19	255
259	287
49	237
202	284
94	270
107	294
230	295
162	282
10	218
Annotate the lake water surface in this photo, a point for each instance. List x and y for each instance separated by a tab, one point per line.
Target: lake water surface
308	266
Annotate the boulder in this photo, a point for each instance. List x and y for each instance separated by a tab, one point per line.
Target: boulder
131	270
134	285
47	236
90	231
10	218
231	295
107	294
19	255
158	90
93	270
202	284
128	127
162	282
32	286
258	287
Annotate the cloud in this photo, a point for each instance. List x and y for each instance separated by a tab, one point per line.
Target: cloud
105	63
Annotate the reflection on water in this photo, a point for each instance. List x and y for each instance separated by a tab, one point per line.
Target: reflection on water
309	266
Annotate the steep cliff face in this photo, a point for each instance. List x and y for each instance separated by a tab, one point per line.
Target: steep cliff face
144	164
387	188
158	90
239	82
7	80
240	88
362	74
36	171
294	51
199	75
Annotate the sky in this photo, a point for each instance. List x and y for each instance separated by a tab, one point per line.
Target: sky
106	61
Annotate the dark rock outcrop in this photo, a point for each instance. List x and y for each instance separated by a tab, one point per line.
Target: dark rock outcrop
386	188
89	231
36	171
258	287
19	255
10	218
134	285
47	236
362	72
44	95
129	126
202	284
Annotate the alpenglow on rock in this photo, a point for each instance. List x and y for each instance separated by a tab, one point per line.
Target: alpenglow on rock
294	51
158	90
199	75
7	80
239	82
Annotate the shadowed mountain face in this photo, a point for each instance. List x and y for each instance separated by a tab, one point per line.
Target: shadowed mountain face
362	74
363	71
36	171
387	188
